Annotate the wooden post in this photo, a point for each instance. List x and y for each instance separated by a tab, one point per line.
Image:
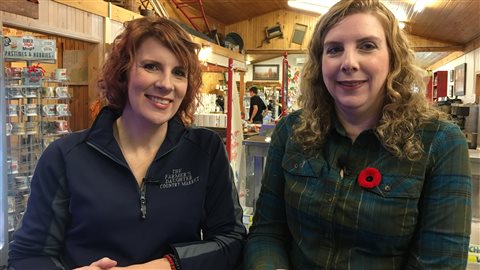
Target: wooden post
284	84
230	107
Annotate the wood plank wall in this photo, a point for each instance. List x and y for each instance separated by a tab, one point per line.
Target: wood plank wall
80	30
79	103
253	31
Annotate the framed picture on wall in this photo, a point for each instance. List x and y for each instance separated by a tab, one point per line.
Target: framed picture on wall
460	80
266	72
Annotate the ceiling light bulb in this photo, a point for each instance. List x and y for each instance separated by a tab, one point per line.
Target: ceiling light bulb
312	5
420	5
204	53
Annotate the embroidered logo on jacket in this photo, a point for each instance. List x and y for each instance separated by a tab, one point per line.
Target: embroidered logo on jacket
178	179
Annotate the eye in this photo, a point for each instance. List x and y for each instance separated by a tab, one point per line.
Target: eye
150	67
368	46
333	50
180	72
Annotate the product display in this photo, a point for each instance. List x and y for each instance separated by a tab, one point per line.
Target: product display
37	114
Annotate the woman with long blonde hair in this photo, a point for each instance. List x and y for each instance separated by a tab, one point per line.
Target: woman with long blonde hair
362	177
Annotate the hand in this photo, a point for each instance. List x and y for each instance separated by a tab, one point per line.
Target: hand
158	264
102	264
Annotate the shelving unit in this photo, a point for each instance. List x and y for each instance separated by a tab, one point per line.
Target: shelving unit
55	110
30	128
24	144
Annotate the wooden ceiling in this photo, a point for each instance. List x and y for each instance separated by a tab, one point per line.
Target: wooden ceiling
442	28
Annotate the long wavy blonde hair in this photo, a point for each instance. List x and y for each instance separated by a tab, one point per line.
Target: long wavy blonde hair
403	111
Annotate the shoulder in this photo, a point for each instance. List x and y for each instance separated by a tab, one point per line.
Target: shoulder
66	143
440	129
290	119
58	151
440	135
286	124
203	137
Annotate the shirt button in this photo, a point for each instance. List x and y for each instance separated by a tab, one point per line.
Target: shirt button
387	188
296	165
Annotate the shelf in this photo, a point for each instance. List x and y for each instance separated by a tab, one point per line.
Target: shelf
56	81
21	86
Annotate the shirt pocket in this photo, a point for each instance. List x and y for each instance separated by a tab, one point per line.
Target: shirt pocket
394	203
303	184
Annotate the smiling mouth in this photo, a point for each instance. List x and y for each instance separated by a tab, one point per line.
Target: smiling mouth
158	100
350	83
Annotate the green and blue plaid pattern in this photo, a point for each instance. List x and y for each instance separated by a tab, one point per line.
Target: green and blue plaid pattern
310	217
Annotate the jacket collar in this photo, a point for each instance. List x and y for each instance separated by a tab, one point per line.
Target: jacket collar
101	136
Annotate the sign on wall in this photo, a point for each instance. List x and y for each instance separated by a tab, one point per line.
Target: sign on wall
29	48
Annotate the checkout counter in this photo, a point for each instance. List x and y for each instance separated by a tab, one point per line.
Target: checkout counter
256	149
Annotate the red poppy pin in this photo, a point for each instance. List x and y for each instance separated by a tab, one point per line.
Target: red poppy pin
369	177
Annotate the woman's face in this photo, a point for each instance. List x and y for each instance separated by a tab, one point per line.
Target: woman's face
356	64
157	83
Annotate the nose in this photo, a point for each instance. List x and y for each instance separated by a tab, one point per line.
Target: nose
349	61
164	81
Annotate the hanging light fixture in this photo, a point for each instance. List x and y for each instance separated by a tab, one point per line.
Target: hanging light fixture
204	53
320	7
420	5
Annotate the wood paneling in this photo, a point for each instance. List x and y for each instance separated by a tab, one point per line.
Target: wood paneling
20	7
79	103
98	7
56	18
122	15
253	31
233	11
210	80
455	23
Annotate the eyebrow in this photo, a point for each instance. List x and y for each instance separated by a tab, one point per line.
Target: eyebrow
367	38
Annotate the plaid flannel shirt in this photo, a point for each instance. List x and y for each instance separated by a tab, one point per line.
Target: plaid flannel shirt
309	217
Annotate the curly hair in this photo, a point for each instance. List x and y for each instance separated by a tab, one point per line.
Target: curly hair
113	82
404	109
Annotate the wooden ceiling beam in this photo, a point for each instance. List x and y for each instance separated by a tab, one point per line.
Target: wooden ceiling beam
438	48
276	51
472	45
421	44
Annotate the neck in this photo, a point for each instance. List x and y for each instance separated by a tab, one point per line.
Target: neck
356	123
133	135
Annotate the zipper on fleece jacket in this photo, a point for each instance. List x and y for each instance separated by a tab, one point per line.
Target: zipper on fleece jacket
143	200
143	186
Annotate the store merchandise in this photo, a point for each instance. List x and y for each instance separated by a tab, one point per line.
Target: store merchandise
37	113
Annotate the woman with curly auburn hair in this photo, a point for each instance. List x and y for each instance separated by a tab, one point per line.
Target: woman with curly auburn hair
142	188
113	83
361	176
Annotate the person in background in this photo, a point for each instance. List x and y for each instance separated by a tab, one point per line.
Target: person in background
367	175
257	107
140	189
